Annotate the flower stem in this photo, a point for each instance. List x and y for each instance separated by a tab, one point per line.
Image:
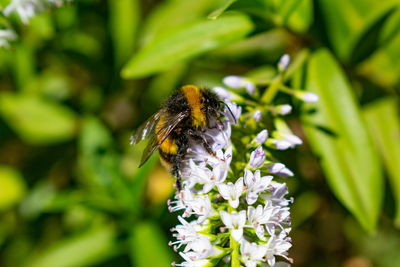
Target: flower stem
272	90
235	253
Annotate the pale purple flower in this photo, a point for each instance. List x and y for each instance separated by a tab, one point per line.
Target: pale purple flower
235	109
280	169
235	222
191	260
201	206
284	109
237	82
255	184
262	137
232	192
306	96
277	246
257	116
278	192
252	253
197	173
258	217
222	92
284	62
283	138
219	137
181	198
185	233
257	158
233	81
250	87
201	245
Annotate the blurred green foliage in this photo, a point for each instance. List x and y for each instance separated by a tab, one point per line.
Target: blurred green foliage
70	190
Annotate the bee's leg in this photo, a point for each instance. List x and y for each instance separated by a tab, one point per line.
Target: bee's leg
194	135
183	144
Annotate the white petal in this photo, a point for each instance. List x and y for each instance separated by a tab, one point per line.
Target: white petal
234	203
251	197
248	177
295	140
260	232
282	144
239	186
237	234
226	218
224	190
250	263
242	218
265	181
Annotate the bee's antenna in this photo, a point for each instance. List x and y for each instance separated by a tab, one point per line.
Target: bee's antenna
230	111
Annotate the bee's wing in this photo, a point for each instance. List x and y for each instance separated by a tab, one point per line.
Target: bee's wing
157	138
147	129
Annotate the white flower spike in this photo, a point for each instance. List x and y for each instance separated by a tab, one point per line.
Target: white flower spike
212	194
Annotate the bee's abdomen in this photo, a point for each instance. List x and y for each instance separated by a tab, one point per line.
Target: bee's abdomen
169	146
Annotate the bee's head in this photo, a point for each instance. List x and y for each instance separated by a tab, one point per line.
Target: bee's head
212	104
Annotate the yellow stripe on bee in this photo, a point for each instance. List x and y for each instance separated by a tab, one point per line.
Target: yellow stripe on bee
193	95
168	146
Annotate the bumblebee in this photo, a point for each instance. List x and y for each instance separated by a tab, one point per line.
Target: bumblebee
182	118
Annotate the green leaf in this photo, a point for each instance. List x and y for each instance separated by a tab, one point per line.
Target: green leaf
149	246
384	124
336	132
185	43
171	14
368	40
86	249
296	14
218	12
391	28
302	18
383	67
12	187
124	20
99	163
37	121
349	22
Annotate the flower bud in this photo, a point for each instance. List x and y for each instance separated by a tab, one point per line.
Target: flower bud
262	137
250	87
284	62
257	115
306	96
284	109
222	92
257	158
280	169
233	81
